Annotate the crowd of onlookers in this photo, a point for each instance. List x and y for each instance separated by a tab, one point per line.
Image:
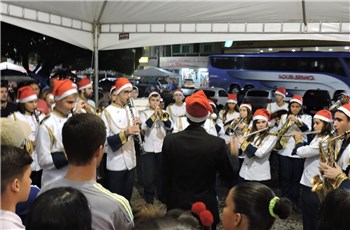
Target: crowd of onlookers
67	164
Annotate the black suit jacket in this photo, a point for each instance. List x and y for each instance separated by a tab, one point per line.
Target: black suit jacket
191	160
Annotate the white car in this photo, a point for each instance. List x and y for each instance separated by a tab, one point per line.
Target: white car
218	95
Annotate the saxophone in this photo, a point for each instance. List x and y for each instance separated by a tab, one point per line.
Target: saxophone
322	186
282	139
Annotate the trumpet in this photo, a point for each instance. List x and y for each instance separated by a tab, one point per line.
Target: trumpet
231	129
303	133
163	116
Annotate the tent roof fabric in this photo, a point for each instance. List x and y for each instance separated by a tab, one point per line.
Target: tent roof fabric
162	22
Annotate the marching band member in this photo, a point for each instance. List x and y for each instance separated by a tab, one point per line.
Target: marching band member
121	126
275	108
49	145
210	125
291	166
154	127
342	126
85	95
322	123
177	112
27	106
229	112
257	149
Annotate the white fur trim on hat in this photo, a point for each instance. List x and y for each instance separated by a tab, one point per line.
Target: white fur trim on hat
128	85
279	93
344	110
260	117
28	99
323	118
153	93
231	101
197	119
85	86
66	94
296	100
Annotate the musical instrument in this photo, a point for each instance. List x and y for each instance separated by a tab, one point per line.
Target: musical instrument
258	131
137	137
163	116
231	129
303	133
322	186
335	105
281	139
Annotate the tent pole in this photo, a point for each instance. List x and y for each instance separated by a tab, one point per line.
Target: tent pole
96	33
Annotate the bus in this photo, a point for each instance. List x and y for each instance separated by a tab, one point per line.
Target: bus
296	71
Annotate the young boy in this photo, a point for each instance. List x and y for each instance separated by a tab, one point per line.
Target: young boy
15	184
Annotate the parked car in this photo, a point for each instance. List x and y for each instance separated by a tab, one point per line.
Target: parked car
218	95
188	83
259	98
315	100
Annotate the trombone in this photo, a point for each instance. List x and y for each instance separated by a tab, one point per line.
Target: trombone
231	129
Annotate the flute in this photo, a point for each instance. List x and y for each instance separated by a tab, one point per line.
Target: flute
303	133
259	131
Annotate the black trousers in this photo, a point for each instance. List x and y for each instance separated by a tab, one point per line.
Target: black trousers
151	168
310	208
121	182
290	172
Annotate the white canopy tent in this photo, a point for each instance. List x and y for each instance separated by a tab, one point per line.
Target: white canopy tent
117	24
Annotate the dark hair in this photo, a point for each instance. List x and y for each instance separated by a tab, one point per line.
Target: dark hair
226	109
262	135
14	162
327	128
60	209
82	135
301	112
4	83
334	210
252	199
166	222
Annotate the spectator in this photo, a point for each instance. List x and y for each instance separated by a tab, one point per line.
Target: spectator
335	210
83	137
15	184
253	206
60	209
6	107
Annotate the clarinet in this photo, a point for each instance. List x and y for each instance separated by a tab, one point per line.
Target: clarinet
137	137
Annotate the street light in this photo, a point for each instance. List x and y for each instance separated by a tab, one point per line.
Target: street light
134	51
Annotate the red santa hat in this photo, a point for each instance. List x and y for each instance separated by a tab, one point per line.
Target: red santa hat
63	88
232	98
84	83
345	109
281	91
213	115
248	106
26	94
198	108
261	114
121	84
153	93
324	115
179	91
297	98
